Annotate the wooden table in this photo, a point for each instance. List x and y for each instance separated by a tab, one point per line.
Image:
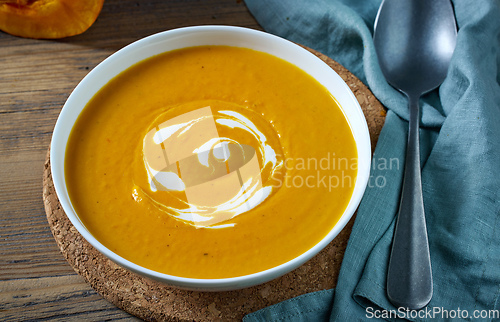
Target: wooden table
36	77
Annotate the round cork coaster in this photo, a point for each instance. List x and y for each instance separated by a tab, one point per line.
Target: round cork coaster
154	301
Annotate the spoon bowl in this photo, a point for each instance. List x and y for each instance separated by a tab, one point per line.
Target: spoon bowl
414	41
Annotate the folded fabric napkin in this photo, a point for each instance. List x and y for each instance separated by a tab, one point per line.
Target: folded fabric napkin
460	153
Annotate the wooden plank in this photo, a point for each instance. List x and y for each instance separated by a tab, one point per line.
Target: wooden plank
60	298
27	246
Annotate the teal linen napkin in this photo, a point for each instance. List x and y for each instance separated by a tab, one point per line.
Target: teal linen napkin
460	152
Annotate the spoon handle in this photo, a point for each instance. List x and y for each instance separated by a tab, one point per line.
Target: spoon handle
409	277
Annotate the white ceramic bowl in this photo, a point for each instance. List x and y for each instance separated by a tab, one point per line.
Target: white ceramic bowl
197	36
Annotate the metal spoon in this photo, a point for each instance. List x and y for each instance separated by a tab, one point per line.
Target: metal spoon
414	41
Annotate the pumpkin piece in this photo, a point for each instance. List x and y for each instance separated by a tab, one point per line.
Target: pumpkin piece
49	19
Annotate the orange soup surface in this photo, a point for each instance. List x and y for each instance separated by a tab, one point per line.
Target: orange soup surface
211	162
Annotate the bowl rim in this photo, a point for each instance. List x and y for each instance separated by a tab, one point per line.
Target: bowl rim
59	145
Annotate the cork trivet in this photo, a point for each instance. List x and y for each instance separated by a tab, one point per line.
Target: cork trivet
155	301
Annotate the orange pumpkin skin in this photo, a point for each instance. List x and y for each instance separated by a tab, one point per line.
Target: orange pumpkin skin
49	19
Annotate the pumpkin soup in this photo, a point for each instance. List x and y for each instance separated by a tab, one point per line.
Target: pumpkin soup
211	162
